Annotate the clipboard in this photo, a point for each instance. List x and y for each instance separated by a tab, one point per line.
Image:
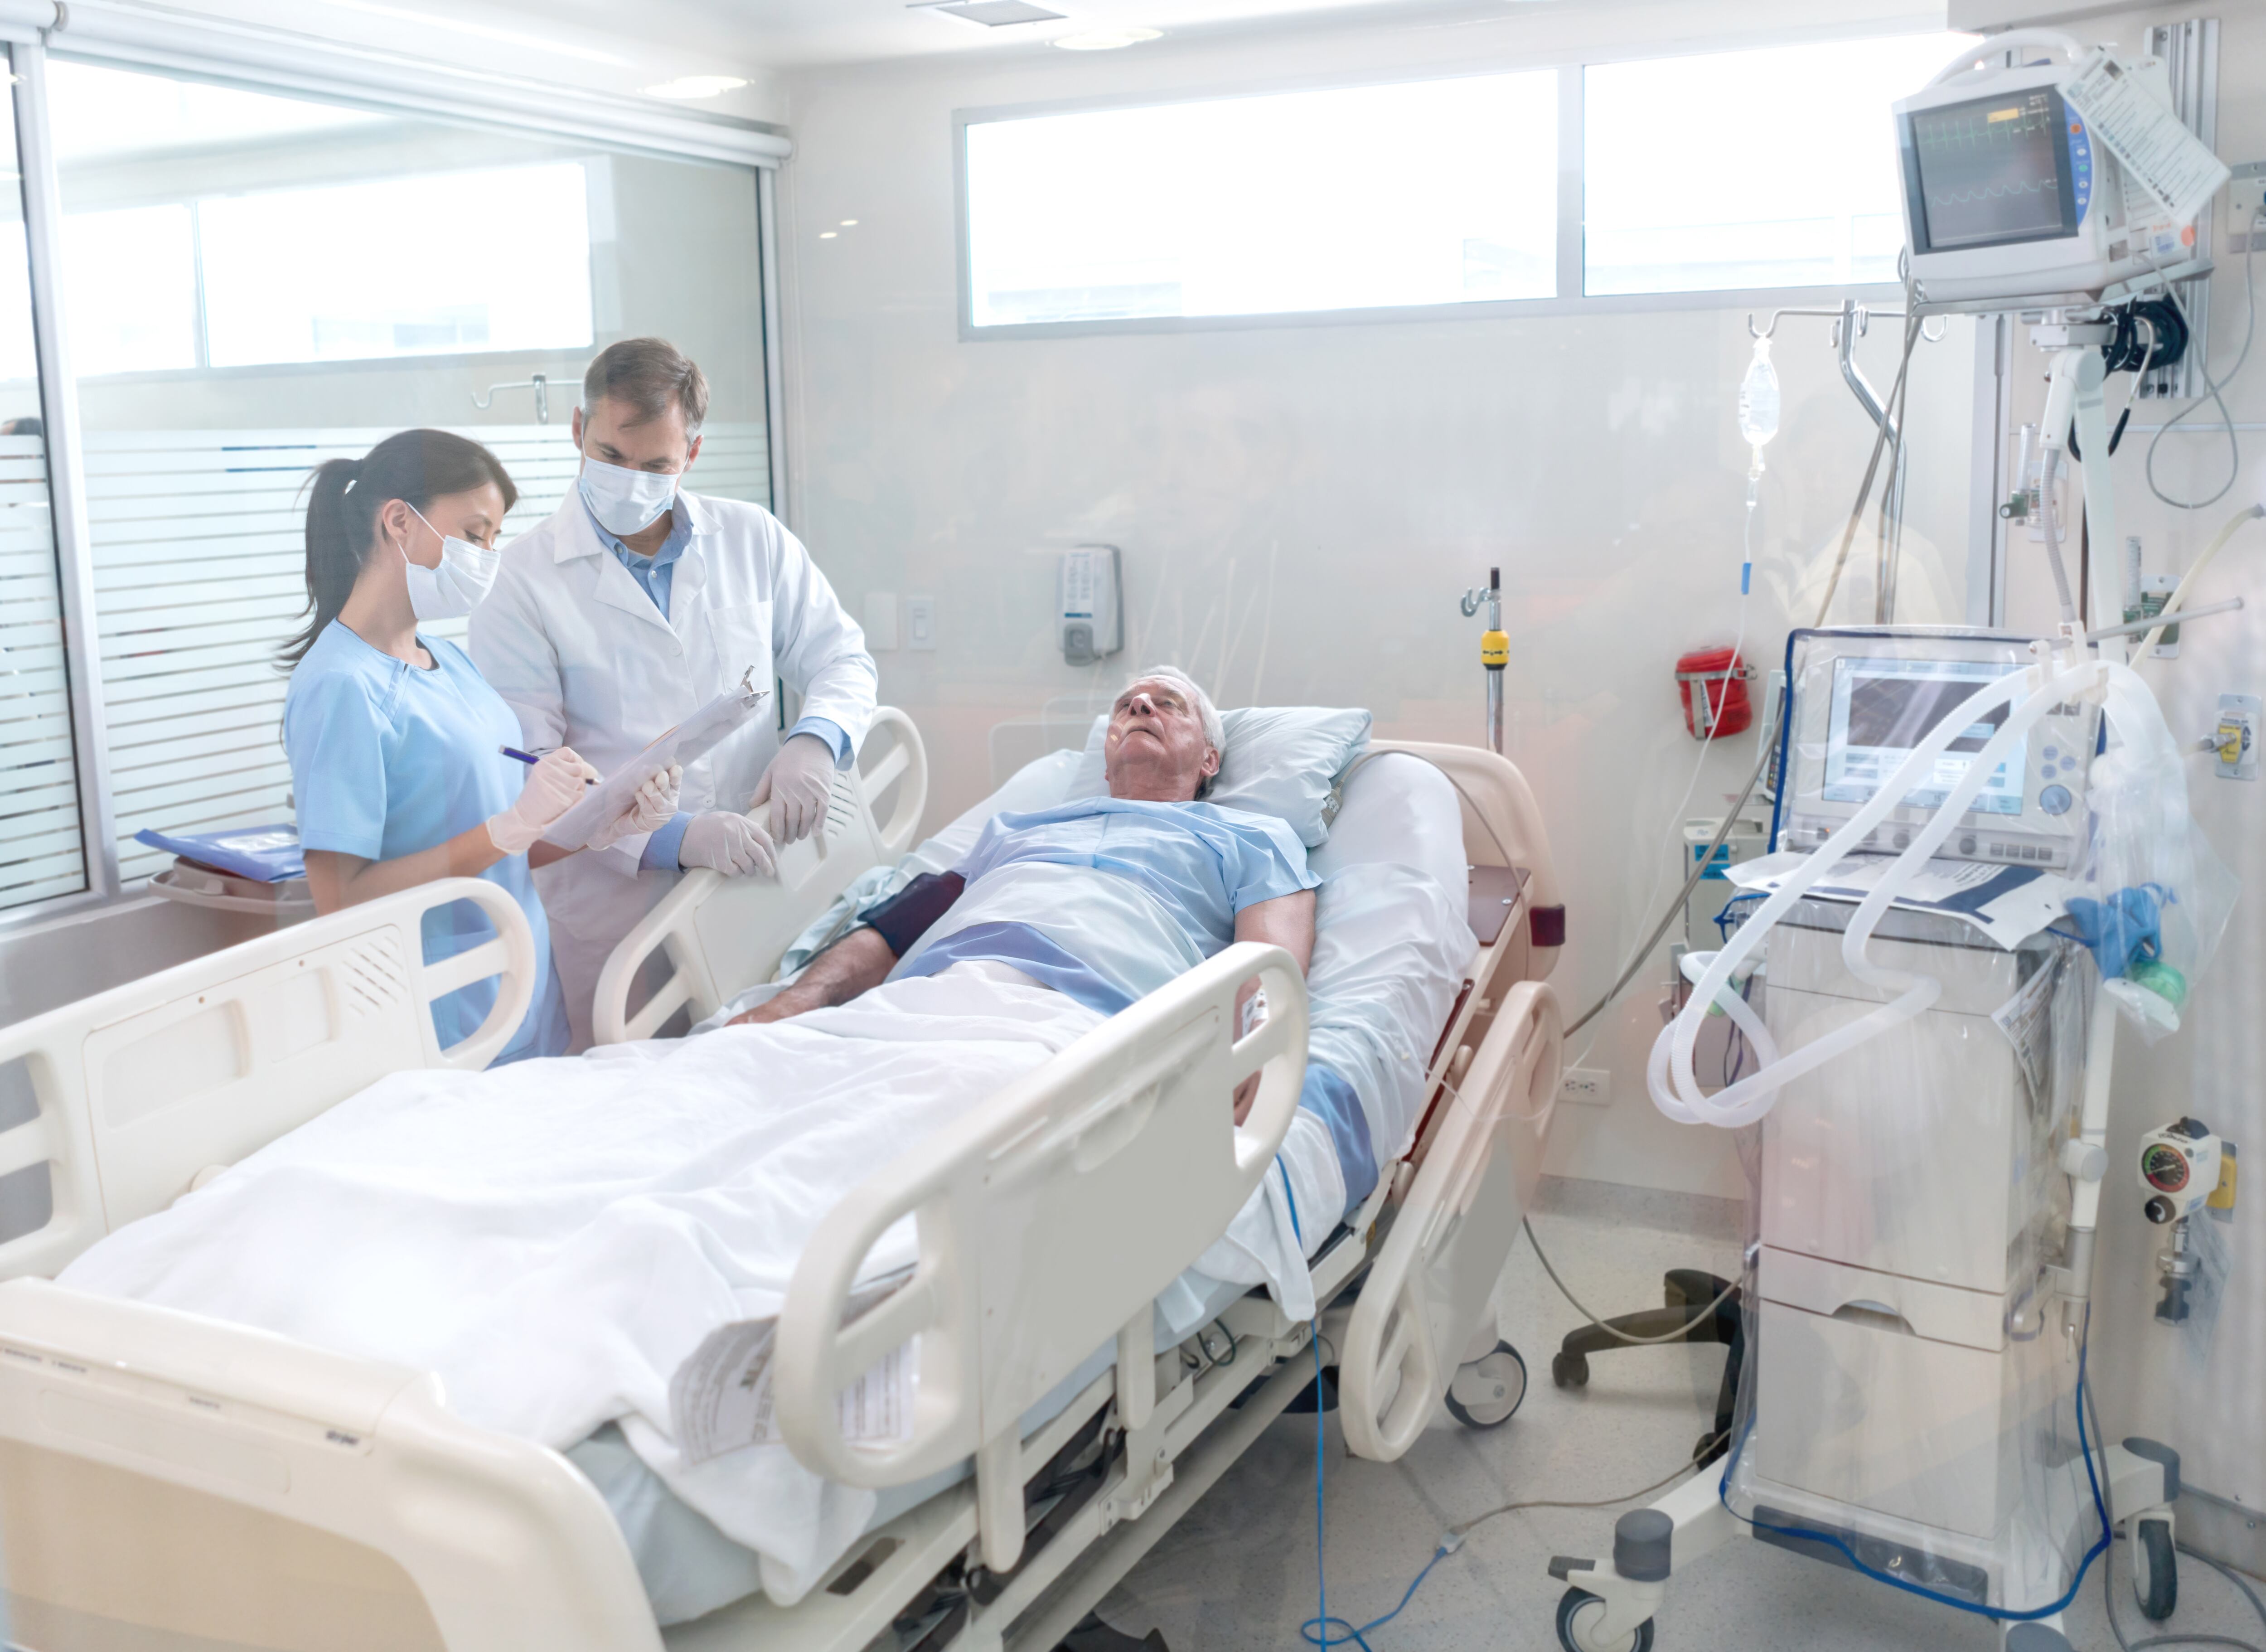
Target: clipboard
688	741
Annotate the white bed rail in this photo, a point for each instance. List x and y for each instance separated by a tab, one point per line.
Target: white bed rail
142	1088
168	1481
722	935
1502	826
1048	1221
1438	1266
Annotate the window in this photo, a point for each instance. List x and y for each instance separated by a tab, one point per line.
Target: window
1783	173
358	273
289	277
1432	193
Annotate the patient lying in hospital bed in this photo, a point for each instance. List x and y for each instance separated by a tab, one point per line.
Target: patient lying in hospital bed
556	1238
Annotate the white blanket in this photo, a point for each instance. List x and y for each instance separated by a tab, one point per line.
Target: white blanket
553	1238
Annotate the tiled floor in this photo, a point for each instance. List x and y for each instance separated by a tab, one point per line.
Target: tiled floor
1238	1572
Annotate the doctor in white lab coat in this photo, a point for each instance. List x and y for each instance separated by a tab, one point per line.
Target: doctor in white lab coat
637	602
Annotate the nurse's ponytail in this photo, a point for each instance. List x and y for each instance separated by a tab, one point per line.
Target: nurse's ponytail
345	496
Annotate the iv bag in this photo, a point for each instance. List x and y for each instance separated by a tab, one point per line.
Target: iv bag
1759	399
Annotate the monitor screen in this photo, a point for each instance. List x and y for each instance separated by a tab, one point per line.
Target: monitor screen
1882	708
1992	171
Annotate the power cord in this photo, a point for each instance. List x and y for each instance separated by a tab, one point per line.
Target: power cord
2213	387
1682	1335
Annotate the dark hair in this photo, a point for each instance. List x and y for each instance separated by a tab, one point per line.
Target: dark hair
651	376
345	495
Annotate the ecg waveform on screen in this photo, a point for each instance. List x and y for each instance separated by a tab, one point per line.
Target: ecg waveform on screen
1991	191
1979	156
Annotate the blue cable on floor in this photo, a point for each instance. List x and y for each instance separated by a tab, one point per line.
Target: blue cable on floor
1316	1630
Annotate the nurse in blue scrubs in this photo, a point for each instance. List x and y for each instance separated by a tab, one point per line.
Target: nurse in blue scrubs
395	739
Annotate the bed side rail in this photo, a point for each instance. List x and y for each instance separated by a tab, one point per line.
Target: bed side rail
1436	1270
1049	1220
175	1479
1500	807
139	1089
723	935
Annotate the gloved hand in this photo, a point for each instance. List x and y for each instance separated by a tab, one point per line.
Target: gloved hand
797	786
734	845
653	808
554	786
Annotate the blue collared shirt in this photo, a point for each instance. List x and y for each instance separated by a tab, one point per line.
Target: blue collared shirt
653	575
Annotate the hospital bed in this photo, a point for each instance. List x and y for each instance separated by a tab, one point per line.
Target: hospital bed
170	1483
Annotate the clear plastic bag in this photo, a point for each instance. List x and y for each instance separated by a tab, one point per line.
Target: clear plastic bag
1908	1396
2156	895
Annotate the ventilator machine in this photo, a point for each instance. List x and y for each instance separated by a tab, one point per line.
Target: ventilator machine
1983	867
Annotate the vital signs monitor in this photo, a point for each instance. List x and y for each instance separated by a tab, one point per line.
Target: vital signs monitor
2010	195
1859	701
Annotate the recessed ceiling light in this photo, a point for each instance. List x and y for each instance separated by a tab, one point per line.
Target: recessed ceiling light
994	14
1104	39
828	235
849	223
687	86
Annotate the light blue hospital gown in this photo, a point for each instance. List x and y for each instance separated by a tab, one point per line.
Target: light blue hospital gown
1179	874
388	758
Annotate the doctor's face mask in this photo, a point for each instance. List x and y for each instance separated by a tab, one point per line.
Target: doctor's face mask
625	501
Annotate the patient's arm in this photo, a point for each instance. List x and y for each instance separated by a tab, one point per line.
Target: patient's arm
858	961
1287	921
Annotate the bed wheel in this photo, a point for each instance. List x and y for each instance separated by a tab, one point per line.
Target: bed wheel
2155	1569
1578	1608
1485	1393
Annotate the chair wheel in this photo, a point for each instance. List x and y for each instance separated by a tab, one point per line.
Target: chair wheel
1569	1371
1485	1393
2155	1569
1577	1608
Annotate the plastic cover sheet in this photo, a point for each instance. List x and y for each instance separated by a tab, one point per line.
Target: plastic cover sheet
1907	1403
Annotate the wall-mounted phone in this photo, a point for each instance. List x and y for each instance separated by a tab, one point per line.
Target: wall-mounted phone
1090	611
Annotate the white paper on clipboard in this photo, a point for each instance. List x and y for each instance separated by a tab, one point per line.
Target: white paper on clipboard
689	741
2171	163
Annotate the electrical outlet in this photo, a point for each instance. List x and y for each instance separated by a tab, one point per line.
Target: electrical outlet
2246	198
1592	1086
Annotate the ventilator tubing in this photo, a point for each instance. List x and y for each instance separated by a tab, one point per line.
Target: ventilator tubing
1669	1074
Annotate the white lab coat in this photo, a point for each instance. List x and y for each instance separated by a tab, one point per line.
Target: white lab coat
581	653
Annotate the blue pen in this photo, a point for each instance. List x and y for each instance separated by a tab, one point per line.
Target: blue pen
517	755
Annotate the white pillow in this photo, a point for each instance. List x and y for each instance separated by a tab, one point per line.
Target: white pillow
1281	760
1399	809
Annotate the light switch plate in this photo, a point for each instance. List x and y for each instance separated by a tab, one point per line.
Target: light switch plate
880	621
920	622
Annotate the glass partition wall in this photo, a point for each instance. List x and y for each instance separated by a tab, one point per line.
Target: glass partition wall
251	284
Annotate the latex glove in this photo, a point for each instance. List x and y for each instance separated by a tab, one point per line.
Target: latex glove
734	845
797	786
554	786
652	808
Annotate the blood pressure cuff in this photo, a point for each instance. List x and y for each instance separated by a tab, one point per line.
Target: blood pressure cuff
907	915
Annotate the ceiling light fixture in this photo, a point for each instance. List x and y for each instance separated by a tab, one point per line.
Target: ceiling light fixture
849	223
686	87
1104	39
827	235
993	14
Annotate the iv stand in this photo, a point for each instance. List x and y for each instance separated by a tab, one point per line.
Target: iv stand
540	383
1495	651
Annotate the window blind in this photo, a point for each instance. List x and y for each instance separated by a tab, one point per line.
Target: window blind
200	578
41	852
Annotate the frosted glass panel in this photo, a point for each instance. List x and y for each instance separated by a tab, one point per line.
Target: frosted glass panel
1774	168
1432	193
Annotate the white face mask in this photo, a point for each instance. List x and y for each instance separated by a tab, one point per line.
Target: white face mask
625	501
455	588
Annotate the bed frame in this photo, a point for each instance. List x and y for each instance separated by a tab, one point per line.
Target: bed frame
169	1482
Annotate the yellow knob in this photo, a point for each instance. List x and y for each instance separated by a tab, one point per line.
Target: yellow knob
1495	650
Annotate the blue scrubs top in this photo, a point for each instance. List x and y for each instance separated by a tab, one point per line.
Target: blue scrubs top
387	759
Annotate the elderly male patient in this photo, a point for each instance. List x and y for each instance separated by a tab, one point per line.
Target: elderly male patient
1105	899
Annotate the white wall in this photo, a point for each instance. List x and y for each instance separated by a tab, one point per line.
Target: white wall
1300	506
2202	1395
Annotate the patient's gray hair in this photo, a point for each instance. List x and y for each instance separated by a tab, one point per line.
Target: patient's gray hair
1207	713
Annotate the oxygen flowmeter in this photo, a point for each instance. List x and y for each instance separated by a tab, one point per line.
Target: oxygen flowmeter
2185	1169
